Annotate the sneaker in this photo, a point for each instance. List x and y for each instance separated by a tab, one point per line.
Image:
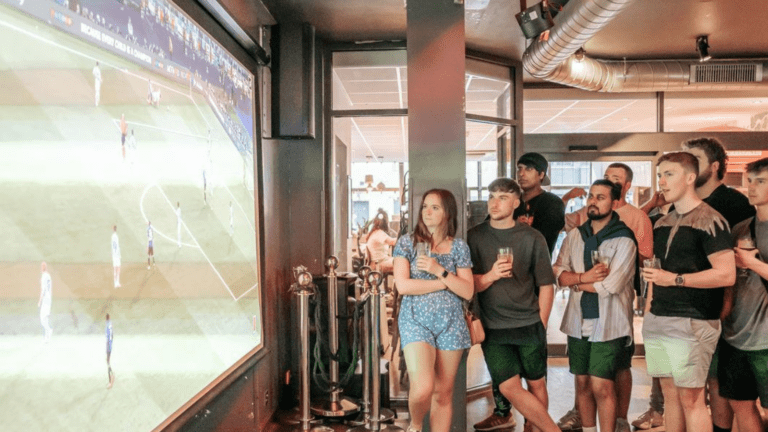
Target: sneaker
649	419
495	421
571	421
622	425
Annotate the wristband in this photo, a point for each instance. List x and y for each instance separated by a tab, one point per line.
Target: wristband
445	274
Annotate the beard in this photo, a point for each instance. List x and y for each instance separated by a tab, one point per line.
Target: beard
703	178
597	215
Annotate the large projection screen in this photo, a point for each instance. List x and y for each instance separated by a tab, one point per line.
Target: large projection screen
121	122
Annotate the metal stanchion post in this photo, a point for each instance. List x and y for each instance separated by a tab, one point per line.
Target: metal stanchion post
303	288
336	405
374	423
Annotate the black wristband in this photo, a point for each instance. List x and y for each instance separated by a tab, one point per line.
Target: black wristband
445	274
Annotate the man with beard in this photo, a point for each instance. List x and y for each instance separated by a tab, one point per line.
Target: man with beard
734	207
514	316
621	175
598	261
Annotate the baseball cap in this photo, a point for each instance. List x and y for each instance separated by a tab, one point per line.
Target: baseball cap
538	162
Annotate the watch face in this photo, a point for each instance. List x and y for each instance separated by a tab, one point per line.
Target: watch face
679	280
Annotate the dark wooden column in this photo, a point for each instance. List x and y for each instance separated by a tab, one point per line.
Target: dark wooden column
436	128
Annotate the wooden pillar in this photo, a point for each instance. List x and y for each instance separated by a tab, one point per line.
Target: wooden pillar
436	124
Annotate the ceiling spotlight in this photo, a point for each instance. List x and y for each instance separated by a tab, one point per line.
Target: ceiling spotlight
702	46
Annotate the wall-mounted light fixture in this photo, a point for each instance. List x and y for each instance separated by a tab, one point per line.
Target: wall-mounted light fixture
369	182
702	46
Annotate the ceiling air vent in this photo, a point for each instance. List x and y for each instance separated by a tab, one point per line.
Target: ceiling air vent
726	73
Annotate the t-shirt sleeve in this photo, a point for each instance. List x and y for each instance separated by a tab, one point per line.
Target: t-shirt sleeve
404	248
463	256
542	263
644	237
552	220
472	243
739	230
717	239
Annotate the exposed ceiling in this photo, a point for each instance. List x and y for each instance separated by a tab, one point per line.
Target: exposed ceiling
647	29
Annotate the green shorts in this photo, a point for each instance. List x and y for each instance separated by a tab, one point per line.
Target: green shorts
599	359
505	360
743	375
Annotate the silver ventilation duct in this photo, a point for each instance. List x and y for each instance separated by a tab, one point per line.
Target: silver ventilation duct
553	60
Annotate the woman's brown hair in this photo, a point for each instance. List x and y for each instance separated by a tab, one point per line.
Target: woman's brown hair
450	224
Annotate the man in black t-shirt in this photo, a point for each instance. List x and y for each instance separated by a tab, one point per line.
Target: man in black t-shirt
545	210
682	327
513	315
734	207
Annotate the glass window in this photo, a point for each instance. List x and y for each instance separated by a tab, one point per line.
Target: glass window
378	151
578	111
365	80
488	89
716	111
482	166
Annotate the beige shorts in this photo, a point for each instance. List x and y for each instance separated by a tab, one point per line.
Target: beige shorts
680	348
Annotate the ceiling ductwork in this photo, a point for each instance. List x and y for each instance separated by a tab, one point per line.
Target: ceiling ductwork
554	60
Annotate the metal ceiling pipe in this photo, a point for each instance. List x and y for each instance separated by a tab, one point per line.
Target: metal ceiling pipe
576	24
553	60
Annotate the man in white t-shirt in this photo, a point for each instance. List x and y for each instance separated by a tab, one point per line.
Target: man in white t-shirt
115	257
97	83
231	220
44	303
178	223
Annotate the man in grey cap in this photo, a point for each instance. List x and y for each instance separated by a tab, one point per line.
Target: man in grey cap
546	211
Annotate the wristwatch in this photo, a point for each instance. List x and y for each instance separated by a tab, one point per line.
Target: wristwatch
444	275
679	280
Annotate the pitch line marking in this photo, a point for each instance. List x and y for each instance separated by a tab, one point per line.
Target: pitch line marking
157	231
198	245
249	290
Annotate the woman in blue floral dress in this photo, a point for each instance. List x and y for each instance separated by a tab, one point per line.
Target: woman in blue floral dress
432	328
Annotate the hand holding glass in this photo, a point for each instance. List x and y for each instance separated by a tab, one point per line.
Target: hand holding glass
653	263
746	243
505	254
422	250
601	257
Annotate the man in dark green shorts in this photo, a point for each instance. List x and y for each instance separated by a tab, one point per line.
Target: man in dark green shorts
514	317
598	261
743	364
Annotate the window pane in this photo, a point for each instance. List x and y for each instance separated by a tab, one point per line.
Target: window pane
488	89
369	80
577	111
716	112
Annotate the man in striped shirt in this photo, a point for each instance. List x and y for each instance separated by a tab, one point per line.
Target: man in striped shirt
598	261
